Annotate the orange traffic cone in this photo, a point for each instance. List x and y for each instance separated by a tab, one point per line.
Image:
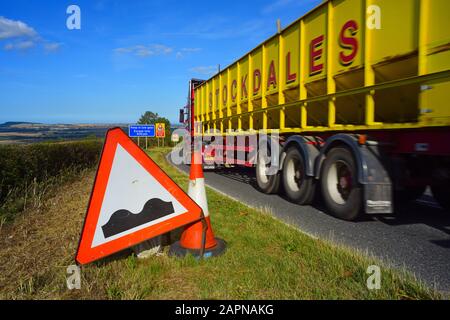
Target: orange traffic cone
191	240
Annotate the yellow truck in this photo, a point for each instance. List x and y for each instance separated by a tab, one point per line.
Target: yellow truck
358	91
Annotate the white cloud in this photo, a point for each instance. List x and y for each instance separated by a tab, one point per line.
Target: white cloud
15	29
20	45
145	51
22	37
205	70
123	50
52	46
216	27
185	51
191	50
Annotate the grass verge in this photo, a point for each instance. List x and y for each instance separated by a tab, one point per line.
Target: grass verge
265	259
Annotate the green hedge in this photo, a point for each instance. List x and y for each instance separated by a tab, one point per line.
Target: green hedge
21	165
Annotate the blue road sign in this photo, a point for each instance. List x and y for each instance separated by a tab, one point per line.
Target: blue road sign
141	131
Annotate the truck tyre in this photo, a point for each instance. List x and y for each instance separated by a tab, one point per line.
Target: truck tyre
341	191
298	186
442	195
268	184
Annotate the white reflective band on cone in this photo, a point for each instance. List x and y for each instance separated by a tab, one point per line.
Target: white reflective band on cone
197	192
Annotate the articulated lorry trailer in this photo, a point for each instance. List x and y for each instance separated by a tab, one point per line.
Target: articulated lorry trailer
358	92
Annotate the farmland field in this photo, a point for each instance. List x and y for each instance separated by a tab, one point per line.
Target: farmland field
22	132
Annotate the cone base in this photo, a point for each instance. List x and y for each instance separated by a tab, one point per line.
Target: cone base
177	250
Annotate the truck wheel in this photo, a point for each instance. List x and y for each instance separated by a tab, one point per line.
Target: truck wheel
442	195
298	186
341	191
268	183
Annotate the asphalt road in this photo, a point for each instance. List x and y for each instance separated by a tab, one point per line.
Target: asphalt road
417	238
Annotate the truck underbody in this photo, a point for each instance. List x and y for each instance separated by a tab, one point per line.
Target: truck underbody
363	172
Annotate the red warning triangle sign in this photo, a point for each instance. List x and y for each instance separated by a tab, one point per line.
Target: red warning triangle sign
133	200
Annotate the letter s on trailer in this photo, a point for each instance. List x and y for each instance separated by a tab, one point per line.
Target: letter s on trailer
363	113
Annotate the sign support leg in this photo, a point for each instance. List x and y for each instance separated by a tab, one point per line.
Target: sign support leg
204	229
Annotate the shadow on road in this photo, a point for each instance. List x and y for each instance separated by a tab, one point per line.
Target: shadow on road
423	211
239	174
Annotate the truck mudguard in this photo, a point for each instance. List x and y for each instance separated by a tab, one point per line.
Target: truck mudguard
308	148
372	172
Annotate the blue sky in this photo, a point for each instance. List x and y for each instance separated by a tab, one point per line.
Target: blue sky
129	56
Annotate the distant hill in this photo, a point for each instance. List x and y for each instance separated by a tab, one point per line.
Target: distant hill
31	132
13	123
